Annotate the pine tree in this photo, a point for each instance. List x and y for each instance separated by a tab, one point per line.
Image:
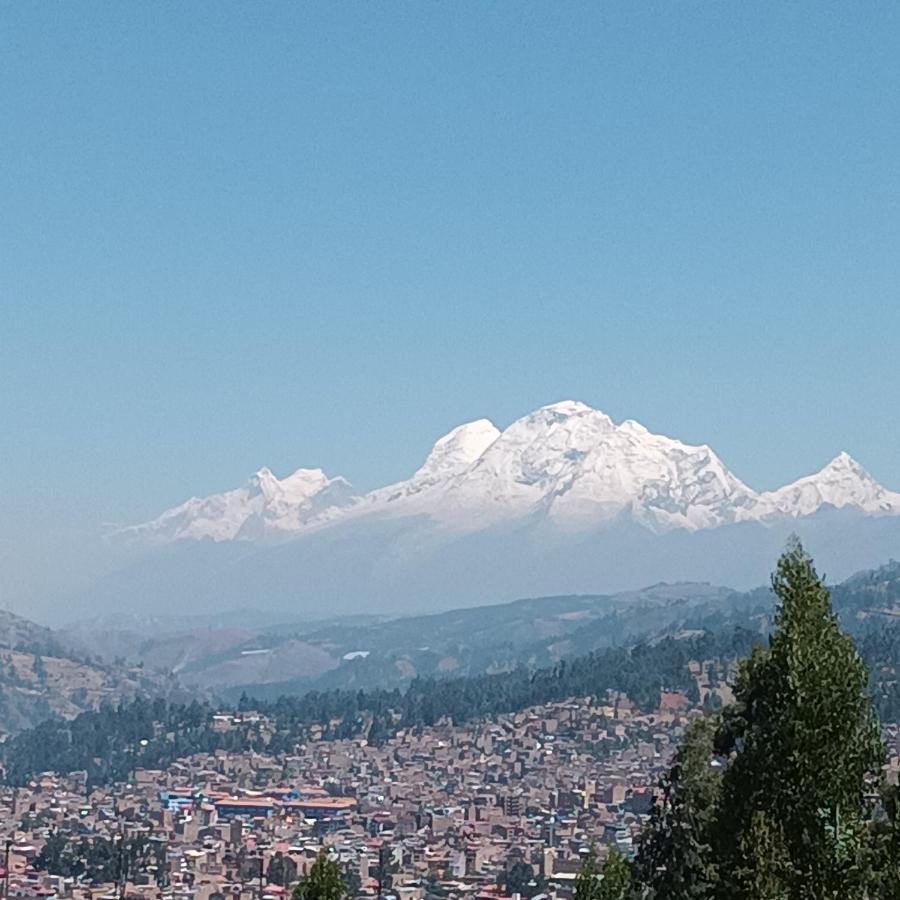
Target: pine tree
519	878
887	846
616	880
803	738
587	880
325	881
676	858
384	869
768	872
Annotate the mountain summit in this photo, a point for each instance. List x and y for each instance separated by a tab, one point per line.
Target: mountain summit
265	505
565	464
842	483
574	466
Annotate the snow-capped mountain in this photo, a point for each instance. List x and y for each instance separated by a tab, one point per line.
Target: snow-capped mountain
264	505
842	483
574	466
563	500
453	455
565	464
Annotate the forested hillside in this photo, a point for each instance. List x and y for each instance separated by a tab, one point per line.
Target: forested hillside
41	678
110	742
44	673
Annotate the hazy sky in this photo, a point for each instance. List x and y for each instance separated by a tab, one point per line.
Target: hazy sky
285	234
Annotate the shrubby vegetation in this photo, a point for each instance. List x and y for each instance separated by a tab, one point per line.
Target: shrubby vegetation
611	881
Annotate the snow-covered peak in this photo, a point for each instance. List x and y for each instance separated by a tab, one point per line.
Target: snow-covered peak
844	463
265	504
451	455
264	482
566	464
634	427
533	451
457	450
297	486
573	465
841	483
565	411
564	408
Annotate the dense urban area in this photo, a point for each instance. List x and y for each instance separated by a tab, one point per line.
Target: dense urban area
434	810
494	809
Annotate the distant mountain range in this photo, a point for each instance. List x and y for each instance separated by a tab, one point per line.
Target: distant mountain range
564	500
66	670
566	463
245	652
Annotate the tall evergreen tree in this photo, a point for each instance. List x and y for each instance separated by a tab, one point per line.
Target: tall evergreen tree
803	738
676	856
767	871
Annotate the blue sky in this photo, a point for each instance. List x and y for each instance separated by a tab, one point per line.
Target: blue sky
237	234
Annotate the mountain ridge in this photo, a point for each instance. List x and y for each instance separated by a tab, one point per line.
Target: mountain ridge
566	462
303	654
43	674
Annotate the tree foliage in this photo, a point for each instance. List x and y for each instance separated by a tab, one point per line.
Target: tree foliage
324	881
676	858
788	818
611	882
803	738
98	859
615	881
587	881
519	878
